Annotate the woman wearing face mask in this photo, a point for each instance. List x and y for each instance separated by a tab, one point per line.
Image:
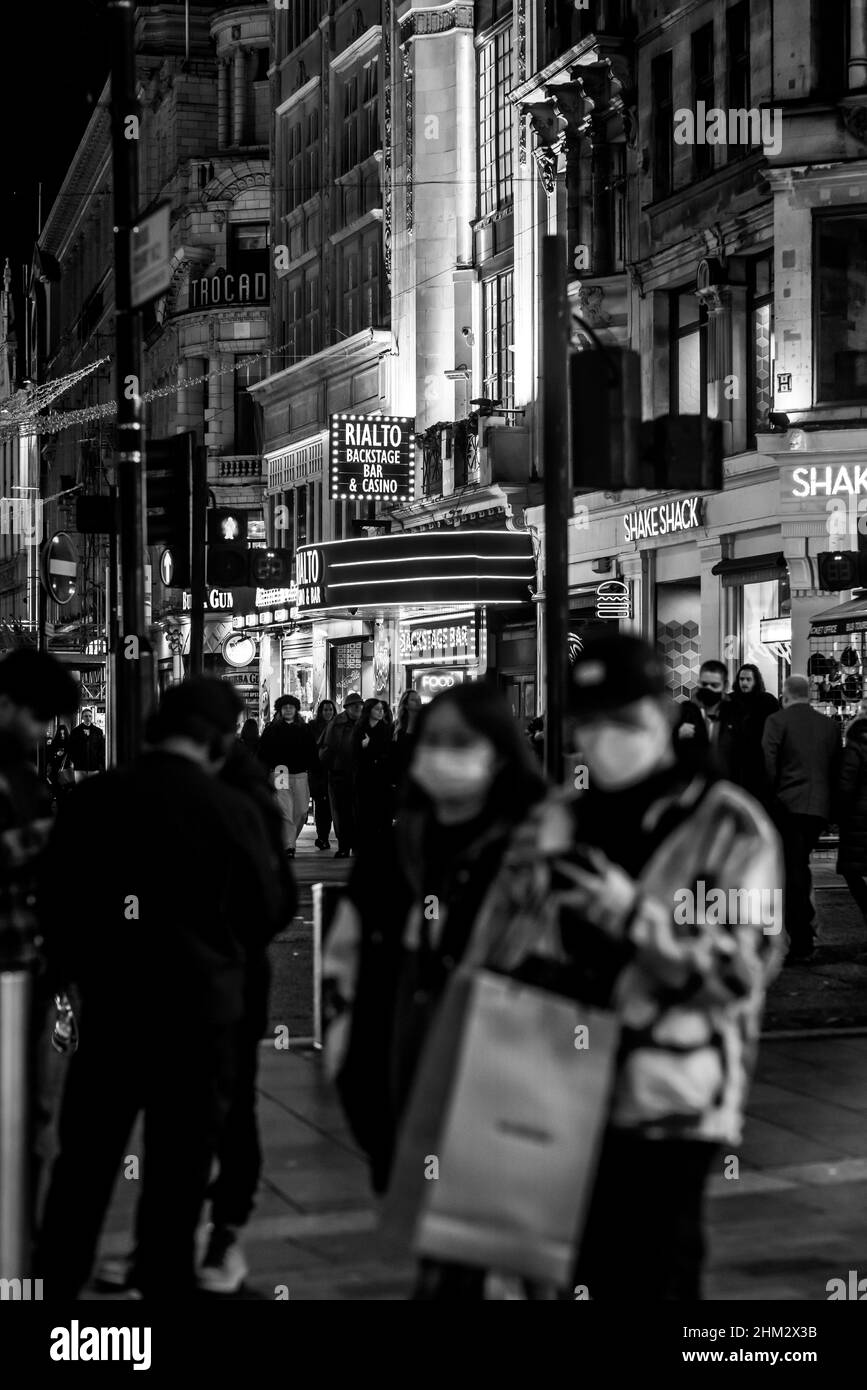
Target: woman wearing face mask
630	862
750	706
374	802
394	945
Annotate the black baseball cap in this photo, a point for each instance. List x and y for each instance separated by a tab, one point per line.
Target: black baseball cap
614	669
36	681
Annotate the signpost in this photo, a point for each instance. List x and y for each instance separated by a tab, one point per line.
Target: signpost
150	257
60	568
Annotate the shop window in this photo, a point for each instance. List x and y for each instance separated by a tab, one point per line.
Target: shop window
738	48
688	354
663	126
678	635
495	123
760	321
247	250
760	601
498	329
345	670
840	309
702	90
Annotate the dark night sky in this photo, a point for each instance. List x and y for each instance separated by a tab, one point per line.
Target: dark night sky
54	65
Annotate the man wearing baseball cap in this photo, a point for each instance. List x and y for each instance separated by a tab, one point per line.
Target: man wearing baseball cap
628	859
337	756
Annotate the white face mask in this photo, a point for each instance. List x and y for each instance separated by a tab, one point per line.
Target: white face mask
454	774
619	757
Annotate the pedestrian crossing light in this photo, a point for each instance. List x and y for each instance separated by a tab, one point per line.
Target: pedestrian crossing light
841	569
227	548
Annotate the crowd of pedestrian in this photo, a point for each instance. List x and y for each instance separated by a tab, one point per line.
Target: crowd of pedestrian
506	900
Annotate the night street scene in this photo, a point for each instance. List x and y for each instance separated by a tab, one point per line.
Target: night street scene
433	645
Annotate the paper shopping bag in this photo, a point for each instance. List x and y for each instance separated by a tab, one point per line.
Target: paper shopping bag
519	1145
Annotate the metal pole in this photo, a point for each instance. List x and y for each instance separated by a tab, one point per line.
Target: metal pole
557	480
17	959
197	561
133	648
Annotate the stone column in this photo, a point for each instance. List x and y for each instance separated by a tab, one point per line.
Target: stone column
710	633
857	44
239	94
223	104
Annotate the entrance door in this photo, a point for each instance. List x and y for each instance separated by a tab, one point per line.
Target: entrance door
520	691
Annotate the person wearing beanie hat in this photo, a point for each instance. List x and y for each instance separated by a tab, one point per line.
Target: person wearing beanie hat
288	752
157	942
339	758
622	864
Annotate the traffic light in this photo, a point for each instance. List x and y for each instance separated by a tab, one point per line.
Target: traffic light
227	548
269	569
682	452
167	490
841	569
605	390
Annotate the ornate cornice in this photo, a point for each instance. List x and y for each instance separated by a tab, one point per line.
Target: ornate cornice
521	75
546	127
387	138
423	23
409	94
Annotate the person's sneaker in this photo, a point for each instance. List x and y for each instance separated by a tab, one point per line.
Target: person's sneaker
224	1268
115	1275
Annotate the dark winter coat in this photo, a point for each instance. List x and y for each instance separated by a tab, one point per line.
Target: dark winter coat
87	749
697	753
747	763
802	753
374	797
287	745
402	750
852	801
337	754
319	776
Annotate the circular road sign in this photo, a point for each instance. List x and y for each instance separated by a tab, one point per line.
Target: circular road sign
167	568
238	649
60	568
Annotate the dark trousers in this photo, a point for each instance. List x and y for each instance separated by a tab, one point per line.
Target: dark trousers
341	795
183	1084
800	835
322	816
644	1226
233	1194
857	885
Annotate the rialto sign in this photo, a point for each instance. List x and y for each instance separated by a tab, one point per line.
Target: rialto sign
662	519
372	458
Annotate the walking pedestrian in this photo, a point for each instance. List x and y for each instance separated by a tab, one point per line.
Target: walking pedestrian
287	750
621	866
751	705
405	726
325	713
374	799
162	973
851	803
802	755
705	725
60	773
250	736
390	954
86	748
337	756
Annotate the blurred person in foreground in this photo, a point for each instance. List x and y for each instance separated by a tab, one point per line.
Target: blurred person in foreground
162	961
624	864
472	779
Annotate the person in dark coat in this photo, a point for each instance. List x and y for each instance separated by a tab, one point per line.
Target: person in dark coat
86	747
162	969
326	712
705	730
374	799
288	752
337	756
751	705
852	812
389	958
405	726
250	736
802	755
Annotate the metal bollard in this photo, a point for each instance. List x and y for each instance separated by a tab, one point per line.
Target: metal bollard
17	957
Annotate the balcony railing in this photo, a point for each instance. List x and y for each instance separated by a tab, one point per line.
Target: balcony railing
450	448
238	466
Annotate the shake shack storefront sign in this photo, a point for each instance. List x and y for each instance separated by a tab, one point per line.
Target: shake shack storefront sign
222	288
663	519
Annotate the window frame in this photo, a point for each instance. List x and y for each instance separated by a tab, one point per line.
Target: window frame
754	302
495	126
703	88
662	125
820	218
496	355
676	334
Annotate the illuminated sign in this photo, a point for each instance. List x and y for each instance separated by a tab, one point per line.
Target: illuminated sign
432	567
828	480
372	458
432	682
220	287
613	600
273	598
662	519
216	600
239	650
425	642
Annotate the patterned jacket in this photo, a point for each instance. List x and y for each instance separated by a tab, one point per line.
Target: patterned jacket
700	941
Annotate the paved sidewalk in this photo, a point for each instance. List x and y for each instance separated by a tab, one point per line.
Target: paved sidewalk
795	1217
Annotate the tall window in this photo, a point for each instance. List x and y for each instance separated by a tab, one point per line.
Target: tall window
738	47
663	125
498	310
495	122
248	248
688	354
303	18
301	536
840	309
360	262
304	316
761	345
369	135
295	170
702	90
312	154
246	441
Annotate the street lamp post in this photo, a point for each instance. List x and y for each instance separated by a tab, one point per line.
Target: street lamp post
558	495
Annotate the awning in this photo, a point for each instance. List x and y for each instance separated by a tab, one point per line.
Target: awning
752	569
845	617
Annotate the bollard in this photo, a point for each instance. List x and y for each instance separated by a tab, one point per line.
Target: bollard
17	958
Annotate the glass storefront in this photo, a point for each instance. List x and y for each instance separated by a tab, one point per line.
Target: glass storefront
346	663
678	634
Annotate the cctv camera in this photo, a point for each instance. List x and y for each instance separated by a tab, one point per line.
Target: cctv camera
352	612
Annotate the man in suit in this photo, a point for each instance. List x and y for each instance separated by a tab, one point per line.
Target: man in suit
802	750
705	731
